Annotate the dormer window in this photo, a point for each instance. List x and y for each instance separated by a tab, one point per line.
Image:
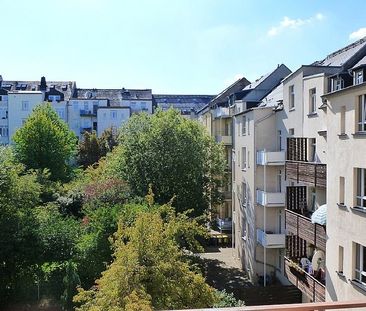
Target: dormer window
54	97
337	84
358	77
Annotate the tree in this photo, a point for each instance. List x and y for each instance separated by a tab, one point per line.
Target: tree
107	141
148	271
45	142
88	149
173	154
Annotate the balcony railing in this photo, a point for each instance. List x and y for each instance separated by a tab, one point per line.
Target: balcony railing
226	140
313	306
87	113
271	240
313	174
303	227
270	157
270	198
221	112
310	286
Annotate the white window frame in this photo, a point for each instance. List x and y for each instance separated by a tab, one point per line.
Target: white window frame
361	114
312	100
337	84
358	77
54	97
25	105
360	188
291	91
359	273
4	131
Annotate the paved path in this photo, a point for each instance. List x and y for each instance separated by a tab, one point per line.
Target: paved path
222	271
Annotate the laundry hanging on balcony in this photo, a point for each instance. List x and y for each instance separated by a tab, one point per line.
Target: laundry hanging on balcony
320	215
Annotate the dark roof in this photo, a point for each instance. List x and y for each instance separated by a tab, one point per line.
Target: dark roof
115	96
361	63
185	103
344	56
65	87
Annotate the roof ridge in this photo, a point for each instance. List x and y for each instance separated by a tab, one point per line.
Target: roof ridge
346	48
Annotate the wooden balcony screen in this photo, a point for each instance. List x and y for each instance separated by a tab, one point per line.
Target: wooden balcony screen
296	199
302	227
297	149
313	174
295	247
305	282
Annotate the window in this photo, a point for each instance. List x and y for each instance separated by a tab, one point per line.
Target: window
341	190
361	114
3	113
279	140
25	105
243	158
244	194
312	153
360	264
244	126
4	132
343	120
113	114
75	106
54	97
337	84
291	132
60	112
291	96
312	100
361	188
358	77
279	181
340	259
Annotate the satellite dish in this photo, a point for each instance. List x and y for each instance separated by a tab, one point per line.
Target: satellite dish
318	261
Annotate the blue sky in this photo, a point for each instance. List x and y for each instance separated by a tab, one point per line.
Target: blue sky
171	46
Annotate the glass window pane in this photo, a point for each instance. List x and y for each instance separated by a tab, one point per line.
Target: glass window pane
358	256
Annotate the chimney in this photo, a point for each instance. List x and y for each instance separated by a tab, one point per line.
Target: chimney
43	86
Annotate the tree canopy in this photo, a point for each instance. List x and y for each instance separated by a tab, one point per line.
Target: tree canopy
173	154
45	142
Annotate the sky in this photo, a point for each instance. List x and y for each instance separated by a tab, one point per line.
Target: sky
170	46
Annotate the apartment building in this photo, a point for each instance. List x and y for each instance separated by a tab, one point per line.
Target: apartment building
346	173
258	198
217	119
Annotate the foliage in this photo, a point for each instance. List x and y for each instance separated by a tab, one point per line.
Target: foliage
45	142
226	299
88	149
148	271
173	154
107	141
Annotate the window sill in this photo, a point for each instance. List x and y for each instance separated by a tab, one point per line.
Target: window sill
243	169
359	134
358	285
312	114
292	109
341	275
343	136
359	209
341	205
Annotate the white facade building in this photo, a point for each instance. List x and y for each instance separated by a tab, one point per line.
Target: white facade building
112	117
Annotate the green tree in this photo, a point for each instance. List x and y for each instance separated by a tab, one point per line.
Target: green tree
148	271
107	141
88	149
45	142
173	154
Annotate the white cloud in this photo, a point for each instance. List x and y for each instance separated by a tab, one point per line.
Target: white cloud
358	34
289	23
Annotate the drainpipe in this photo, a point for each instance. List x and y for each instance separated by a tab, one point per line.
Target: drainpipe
265	219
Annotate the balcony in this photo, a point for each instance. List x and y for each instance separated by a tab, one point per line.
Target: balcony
221	112
302	227
86	129
270	158
226	140
224	224
271	240
88	113
305	282
312	174
270	199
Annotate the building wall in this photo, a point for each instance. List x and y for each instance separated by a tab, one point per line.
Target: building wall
112	117
344	224
15	112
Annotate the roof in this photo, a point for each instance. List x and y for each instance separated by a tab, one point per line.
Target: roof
361	63
342	56
65	87
185	103
273	98
115	96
